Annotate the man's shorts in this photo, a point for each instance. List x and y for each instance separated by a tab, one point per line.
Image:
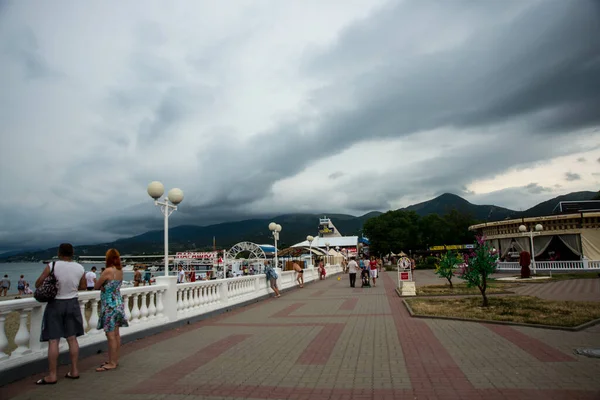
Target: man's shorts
373	273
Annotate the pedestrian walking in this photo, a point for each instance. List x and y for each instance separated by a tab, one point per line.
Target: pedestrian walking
352	270
4	286
90	278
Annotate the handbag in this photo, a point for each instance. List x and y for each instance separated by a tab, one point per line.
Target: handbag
48	289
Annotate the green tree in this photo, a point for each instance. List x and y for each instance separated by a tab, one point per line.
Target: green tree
479	265
393	231
447	264
434	231
458	227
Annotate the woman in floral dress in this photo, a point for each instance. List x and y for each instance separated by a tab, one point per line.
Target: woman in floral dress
112	310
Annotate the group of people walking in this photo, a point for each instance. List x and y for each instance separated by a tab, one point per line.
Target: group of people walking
62	316
367	268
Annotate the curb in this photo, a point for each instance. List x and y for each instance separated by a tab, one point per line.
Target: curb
487	321
422	296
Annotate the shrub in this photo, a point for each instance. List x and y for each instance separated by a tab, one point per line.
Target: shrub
427	263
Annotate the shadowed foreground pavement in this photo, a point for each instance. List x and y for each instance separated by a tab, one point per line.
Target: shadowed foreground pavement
328	341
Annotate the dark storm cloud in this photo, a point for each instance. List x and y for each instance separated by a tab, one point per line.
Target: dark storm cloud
570	176
499	75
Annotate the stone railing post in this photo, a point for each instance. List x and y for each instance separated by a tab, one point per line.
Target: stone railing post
585	263
35	327
224	289
169	297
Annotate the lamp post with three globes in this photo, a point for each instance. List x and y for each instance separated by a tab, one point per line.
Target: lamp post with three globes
167	206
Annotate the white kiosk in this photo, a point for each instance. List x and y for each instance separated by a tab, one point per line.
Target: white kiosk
405	278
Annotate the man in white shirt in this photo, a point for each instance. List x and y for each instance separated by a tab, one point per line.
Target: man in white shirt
352	270
181	275
90	278
62	316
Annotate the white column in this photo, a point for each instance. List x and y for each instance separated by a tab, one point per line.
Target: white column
94	316
532	252
224	292
126	306
135	309
152	306
35	327
86	325
159	303
166	212
3	338
144	309
169	297
22	336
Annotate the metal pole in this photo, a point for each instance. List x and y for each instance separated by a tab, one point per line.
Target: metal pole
532	252
275	235
166	209
310	250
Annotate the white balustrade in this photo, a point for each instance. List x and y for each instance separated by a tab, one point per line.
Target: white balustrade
552	265
145	307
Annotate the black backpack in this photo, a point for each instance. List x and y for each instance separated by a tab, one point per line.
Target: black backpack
48	289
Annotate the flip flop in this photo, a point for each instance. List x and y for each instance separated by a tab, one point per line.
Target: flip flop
103	369
69	376
43	381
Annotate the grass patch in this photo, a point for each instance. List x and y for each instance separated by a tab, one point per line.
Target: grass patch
523	309
461	288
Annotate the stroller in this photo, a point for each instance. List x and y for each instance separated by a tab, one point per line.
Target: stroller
366	277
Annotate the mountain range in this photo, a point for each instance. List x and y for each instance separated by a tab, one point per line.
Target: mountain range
295	227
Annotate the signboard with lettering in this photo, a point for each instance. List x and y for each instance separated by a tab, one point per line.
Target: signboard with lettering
326	229
204	255
404	276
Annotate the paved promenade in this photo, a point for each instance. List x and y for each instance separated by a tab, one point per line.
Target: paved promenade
328	341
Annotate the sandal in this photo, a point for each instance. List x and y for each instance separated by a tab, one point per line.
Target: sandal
69	376
103	369
43	381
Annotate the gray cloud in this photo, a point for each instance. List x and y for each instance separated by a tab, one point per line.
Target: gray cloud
335	175
581	159
227	114
536	189
570	176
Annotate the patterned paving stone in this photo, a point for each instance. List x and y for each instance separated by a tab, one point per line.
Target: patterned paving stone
330	341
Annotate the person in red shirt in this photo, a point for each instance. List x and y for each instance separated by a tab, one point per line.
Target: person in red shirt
373	267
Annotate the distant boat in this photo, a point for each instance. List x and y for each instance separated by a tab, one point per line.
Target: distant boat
128	268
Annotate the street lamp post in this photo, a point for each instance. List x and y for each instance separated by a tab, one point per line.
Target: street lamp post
310	240
327	256
167	206
538	231
275	228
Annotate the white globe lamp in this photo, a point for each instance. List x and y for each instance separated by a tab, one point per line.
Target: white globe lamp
278	228
272	226
156	189
175	196
539	227
522	228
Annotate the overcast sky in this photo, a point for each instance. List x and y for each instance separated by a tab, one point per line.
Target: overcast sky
270	107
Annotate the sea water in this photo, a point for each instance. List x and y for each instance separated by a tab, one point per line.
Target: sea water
32	271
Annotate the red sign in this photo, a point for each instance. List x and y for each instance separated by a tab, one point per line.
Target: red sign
404	276
205	255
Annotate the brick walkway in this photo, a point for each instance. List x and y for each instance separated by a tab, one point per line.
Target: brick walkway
328	341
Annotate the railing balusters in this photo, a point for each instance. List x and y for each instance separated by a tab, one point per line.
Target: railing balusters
135	310
22	336
144	308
